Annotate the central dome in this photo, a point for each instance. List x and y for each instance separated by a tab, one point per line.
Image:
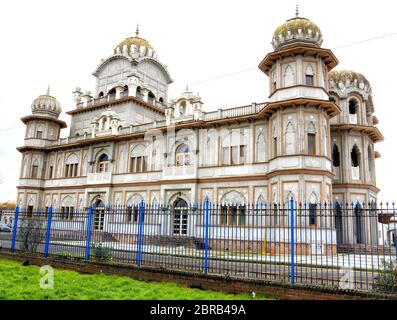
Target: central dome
297	29
135	44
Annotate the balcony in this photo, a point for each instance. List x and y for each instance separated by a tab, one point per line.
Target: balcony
179	172
99	178
355	173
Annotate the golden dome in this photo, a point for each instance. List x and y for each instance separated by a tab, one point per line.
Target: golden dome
297	29
348	78
135	44
343	75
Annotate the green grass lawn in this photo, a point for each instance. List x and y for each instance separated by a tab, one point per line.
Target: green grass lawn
20	282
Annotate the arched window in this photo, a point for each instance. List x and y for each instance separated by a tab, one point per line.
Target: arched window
125	91
311	139
261	147
312	208
371	163
139	161
233	209
353	106
290	138
35	169
138	93
112	94
100	95
182	155
39	132
309	75
182	109
151	98
355	162
67	208
103	163
133	203
335	156
161	100
51	170
71	167
210	151
353	111
234	148
355	156
289	76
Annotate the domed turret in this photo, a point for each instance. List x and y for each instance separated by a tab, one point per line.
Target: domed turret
138	45
46	105
295	30
343	79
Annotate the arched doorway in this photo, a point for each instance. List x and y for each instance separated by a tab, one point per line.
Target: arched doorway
99	214
180	217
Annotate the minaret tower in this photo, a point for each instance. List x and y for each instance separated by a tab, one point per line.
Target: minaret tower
299	113
42	129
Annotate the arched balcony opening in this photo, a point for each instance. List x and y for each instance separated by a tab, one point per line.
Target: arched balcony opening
151	98
355	162
353	111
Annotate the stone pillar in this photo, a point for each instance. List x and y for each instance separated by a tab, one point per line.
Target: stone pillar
77	95
145	92
119	89
86	98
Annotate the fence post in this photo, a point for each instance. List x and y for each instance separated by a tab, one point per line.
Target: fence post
140	232
48	232
14	230
292	240
206	236
89	232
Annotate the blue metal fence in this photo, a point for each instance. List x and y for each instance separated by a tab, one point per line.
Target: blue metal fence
335	245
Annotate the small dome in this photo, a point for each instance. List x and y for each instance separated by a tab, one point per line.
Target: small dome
135	44
297	29
46	105
347	78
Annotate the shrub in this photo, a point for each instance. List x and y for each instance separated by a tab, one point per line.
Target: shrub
100	252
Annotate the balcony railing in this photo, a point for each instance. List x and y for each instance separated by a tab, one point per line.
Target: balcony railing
353	118
98	178
356	173
233	112
178	172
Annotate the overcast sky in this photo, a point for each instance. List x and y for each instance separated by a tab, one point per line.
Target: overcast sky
62	42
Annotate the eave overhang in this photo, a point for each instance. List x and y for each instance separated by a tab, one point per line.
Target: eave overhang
326	54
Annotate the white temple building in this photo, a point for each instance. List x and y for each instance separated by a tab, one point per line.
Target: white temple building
313	140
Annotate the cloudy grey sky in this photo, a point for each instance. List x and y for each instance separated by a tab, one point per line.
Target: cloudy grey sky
62	42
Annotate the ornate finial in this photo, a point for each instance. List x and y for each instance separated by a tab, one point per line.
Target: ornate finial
297	11
187	88
137	31
48	89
